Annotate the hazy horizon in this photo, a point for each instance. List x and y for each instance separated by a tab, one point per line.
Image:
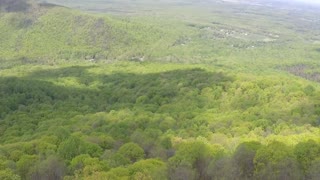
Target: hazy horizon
309	1
313	2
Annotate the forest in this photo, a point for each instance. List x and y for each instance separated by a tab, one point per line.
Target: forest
128	95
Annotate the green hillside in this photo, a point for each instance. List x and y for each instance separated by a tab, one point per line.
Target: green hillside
62	33
85	95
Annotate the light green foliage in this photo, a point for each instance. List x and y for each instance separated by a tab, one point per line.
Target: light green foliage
131	151
8	175
183	102
190	152
192	92
5	172
16	155
149	169
118	173
273	153
118	159
83	166
82	36
74	146
194	157
25	165
277	159
306	153
143	169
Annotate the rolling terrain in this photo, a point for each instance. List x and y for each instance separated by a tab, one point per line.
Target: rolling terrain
159	90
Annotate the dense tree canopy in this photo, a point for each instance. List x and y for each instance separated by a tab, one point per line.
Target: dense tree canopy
149	98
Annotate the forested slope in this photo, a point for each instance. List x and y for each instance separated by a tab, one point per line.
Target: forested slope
47	33
88	96
92	121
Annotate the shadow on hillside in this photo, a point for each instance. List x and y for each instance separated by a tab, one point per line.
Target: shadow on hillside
115	91
32	100
29	101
